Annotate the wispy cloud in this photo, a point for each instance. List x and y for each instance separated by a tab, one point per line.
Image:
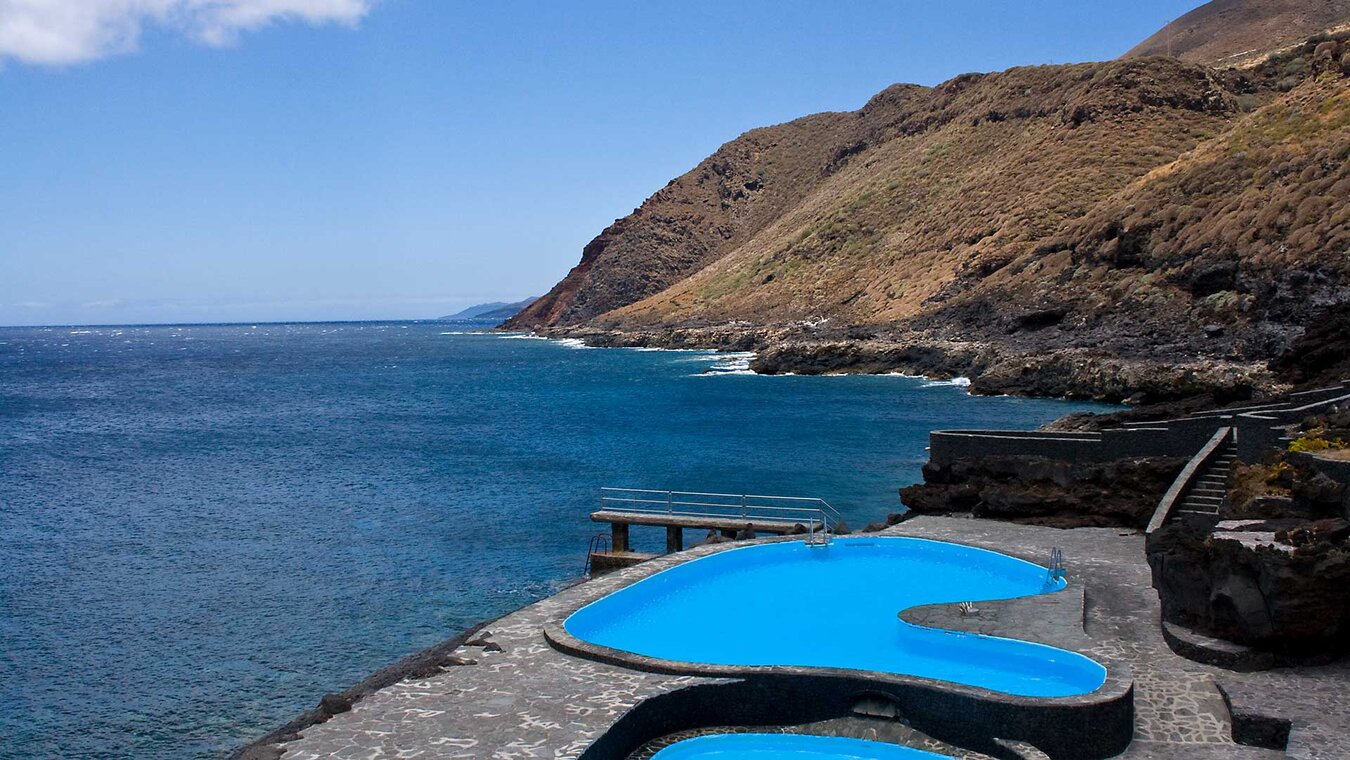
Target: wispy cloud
61	32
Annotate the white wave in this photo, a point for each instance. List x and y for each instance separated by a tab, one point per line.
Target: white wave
955	382
521	336
737	363
573	343
81	332
463	332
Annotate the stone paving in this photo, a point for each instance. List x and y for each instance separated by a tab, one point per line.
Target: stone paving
531	701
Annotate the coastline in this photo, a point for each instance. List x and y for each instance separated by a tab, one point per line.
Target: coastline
1073	373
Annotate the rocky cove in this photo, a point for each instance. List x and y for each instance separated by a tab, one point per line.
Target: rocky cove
993	368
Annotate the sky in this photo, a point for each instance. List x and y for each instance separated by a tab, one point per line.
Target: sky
275	160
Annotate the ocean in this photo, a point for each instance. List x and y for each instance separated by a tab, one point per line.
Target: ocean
204	528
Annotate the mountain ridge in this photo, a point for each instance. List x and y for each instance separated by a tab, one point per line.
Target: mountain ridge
494	310
1145	209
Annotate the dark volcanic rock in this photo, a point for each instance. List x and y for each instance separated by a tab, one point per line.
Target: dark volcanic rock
1291	600
1040	491
1321	355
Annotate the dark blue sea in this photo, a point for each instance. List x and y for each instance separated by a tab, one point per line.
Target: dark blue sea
205	528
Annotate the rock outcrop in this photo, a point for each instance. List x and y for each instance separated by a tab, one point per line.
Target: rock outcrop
1275	572
1254	583
1039	491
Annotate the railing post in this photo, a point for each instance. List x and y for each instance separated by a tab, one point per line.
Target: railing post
670	508
742	505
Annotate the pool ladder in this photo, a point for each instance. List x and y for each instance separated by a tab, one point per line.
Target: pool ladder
1055	572
818	535
599	544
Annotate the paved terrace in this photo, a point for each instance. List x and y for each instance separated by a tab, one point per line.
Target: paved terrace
531	701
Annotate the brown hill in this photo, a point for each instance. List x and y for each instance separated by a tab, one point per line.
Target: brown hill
696	218
1144	209
1232	31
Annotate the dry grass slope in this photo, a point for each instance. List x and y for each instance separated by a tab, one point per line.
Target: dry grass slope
1230	32
1141	208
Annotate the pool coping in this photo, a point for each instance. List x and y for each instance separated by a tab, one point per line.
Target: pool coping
1108	710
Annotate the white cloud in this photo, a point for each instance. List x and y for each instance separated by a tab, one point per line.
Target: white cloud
58	32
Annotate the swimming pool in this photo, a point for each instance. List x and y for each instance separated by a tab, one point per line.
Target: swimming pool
836	606
765	746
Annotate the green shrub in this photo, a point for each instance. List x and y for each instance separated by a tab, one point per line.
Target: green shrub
1313	441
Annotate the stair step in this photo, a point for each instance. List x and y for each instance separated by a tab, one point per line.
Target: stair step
1206	512
1193	496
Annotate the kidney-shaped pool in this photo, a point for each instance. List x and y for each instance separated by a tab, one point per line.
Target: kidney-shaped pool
836	606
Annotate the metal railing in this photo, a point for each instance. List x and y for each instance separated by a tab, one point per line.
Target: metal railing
815	515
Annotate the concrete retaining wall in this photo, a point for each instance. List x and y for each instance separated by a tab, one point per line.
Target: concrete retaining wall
946	446
1258	428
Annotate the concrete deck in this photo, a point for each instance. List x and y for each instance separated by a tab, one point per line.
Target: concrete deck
530	700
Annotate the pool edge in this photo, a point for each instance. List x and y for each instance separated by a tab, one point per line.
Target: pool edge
1096	724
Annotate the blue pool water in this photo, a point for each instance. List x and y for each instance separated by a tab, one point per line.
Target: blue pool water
767	746
836	606
204	528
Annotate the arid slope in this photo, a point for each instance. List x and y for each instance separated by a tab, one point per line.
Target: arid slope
1147	210
1226	32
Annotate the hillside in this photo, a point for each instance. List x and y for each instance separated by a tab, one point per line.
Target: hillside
697	218
1232	31
1081	230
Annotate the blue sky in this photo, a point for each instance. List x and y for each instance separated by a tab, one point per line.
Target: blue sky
372	159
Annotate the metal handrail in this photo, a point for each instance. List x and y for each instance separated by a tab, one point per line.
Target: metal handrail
739	506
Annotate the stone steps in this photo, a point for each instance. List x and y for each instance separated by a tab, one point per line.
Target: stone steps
1207	494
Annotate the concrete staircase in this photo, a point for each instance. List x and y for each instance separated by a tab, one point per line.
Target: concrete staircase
1207	494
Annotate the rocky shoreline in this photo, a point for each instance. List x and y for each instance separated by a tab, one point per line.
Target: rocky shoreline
1072	373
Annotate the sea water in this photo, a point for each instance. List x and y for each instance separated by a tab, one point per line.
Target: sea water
205	528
